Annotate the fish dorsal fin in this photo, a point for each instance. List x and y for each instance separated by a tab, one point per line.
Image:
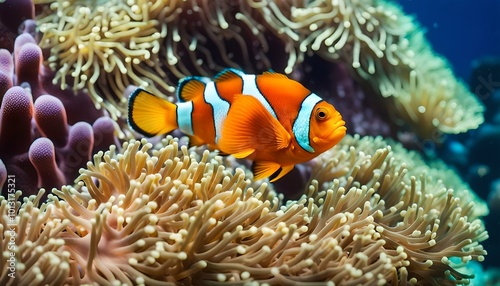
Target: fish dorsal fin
190	88
228	74
272	73
249	126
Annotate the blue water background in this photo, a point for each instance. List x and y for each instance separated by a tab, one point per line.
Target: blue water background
462	31
465	32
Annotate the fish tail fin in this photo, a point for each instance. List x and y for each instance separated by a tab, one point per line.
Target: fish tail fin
151	115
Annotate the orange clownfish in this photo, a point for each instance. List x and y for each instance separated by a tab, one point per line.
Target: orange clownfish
270	119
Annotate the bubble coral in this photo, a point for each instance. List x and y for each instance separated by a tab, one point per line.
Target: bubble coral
41	143
48	154
149	216
25	66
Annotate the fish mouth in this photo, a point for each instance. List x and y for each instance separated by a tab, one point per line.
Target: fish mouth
338	134
339	131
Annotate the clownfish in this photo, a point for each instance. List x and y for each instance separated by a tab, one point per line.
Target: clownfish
270	119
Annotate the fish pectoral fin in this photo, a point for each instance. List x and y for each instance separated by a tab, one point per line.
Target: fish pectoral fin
249	127
274	171
283	171
264	169
244	153
151	115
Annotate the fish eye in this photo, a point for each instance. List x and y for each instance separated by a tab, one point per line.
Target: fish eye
321	113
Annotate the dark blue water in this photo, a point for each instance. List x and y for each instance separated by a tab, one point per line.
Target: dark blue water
463	31
467	33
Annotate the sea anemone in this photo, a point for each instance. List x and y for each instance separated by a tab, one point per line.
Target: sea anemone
111	45
435	102
153	45
385	48
340	161
151	216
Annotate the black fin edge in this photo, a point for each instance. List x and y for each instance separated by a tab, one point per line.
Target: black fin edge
130	121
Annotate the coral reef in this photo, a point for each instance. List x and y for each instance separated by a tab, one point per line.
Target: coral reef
146	216
474	155
113	44
155	45
387	49
50	152
43	142
360	213
338	162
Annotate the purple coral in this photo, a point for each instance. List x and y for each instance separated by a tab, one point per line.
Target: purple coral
104	134
6	71
46	134
74	144
39	147
27	63
15	122
43	157
78	151
28	59
50	117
